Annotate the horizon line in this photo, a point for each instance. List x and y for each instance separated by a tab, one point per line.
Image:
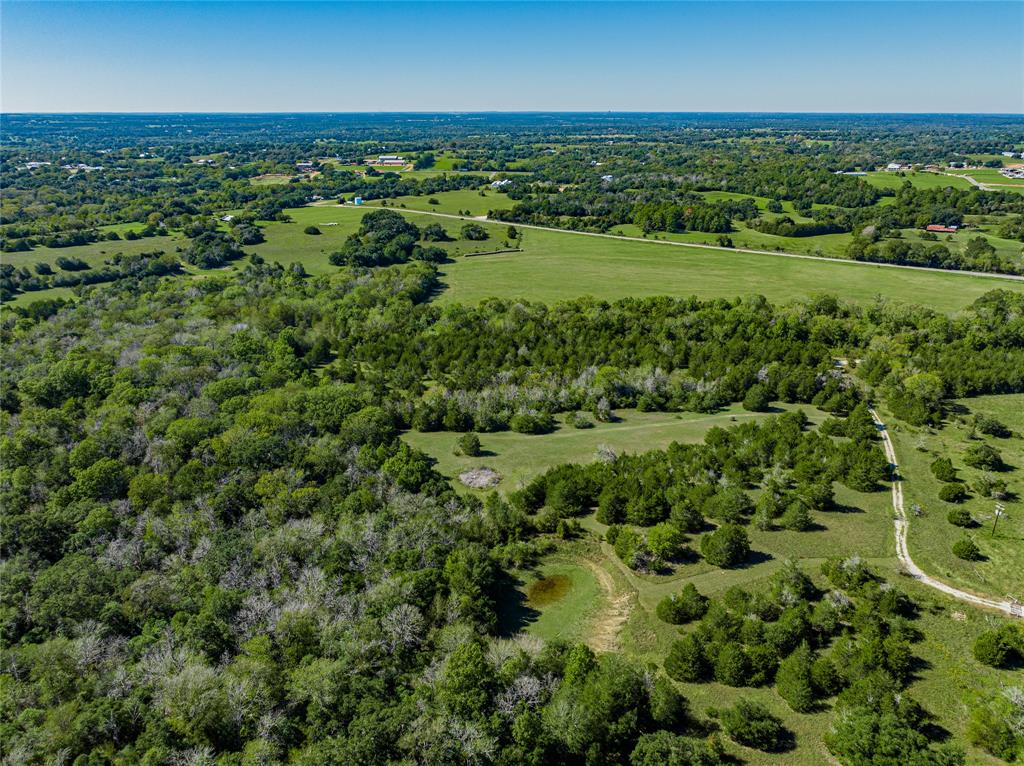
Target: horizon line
505	111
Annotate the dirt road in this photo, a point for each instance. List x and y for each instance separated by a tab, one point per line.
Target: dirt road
902	552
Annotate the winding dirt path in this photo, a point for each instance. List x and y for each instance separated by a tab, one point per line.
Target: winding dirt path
606	626
903	553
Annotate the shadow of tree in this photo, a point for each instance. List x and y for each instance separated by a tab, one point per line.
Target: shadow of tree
513	613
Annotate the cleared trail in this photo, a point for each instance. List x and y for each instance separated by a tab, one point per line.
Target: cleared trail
605	629
903	553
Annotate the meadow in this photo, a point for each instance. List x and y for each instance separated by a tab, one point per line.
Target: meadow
558	265
520	457
885	180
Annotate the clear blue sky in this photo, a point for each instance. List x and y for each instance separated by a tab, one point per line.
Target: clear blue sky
391	56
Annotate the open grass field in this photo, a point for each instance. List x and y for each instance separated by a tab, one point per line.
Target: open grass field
557	265
885	180
980	158
271	179
520	457
830	245
453	202
557	600
931	536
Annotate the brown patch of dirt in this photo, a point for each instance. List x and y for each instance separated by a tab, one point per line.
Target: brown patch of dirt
548	591
606	626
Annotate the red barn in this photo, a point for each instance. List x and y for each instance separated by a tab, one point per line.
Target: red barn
940	229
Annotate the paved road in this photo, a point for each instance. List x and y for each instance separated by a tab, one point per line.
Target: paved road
902	552
775	253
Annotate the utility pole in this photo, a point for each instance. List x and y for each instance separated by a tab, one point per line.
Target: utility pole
1000	511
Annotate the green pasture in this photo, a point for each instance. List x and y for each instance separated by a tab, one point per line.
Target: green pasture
557	265
271	179
453	202
885	180
981	158
931	536
562	612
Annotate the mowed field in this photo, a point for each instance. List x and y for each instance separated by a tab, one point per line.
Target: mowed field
885	180
582	592
558	265
931	536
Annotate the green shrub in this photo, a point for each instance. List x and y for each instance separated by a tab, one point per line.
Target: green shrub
943	470
797	517
961	517
952	493
758	398
686	606
726	547
532	423
1000	647
991	426
751	724
984	456
967	550
579	420
686	660
795	679
311	230
732	667
665	541
468	445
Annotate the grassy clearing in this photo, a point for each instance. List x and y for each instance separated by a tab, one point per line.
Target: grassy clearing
555	601
556	265
931	536
560	265
981	158
520	457
271	179
453	202
288	243
884	180
831	245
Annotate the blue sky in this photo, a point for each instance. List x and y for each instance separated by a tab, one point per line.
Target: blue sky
420	56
